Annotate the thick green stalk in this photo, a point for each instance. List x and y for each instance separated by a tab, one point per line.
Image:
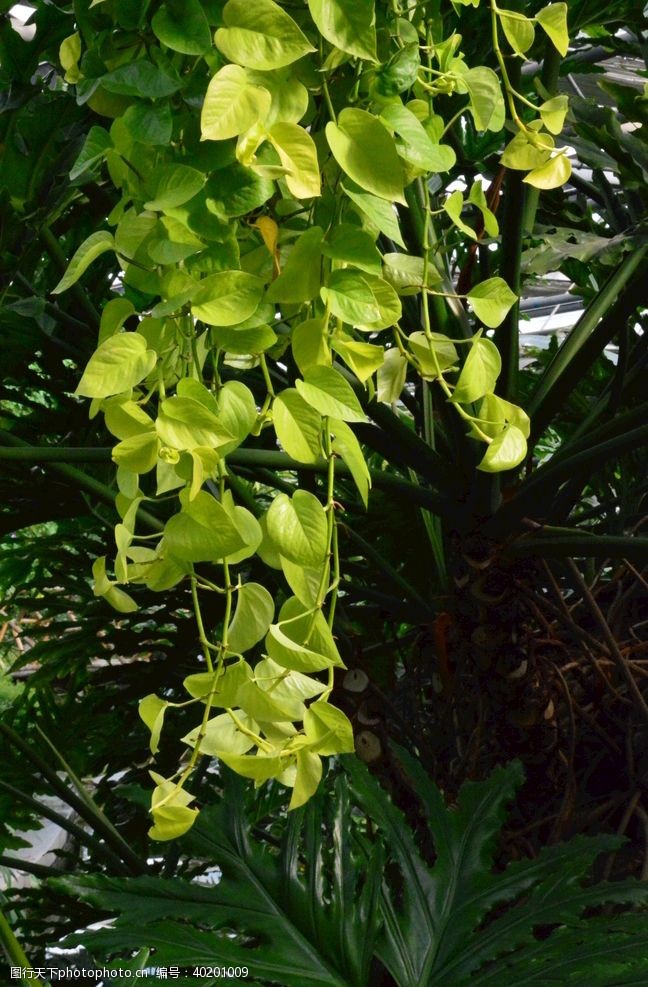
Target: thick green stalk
87	810
615	302
580	546
507	335
52	454
16	954
534	496
79	479
392	576
85	838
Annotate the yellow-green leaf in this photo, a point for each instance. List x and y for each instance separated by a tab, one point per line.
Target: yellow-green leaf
298	527
260	35
228	297
307	779
479	373
326	390
491	301
151	710
252	617
518	29
346	445
553	20
120	363
350	25
366	152
328	729
232	104
298	426
506	451
553	174
298	156
553	112
95	245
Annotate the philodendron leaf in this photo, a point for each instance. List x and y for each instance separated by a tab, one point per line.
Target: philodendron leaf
94	150
182	26
185	423
326	390
379	212
363	358
506	451
495	414
289	96
406	273
434	353
240	341
289	690
222	734
518	29
289	654
307	778
553	20
309	344
227	298
479	373
328	729
252	617
202	532
137	453
151	710
414	144
453	205
362	300
553	174
523	153
172	185
354	246
346	446
300	277
172	816
350	298
220	688
304	581
120	363
150	123
399	73
298	426
260	35
391	376
69	55
232	104
298	156
491	301
96	245
553	112
486	100
366	152
297	526
141	78
350	25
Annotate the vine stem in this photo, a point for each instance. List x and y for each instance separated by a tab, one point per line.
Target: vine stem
426	320
201	626
510	92
327	586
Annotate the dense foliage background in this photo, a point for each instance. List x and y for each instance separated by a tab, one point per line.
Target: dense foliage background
298	234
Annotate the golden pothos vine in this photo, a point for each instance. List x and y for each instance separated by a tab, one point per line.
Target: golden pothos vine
266	157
